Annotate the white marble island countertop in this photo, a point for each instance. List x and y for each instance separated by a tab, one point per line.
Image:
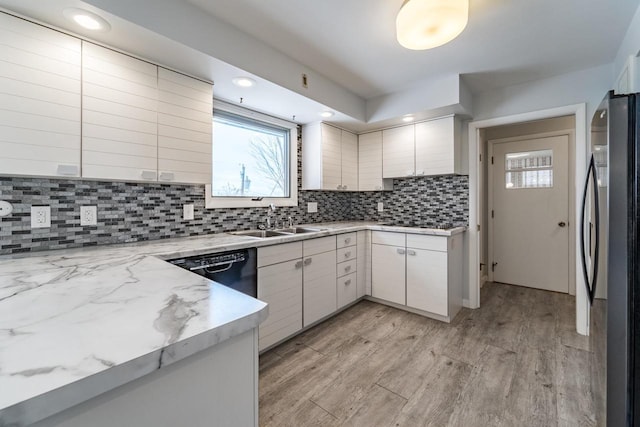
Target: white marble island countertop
77	323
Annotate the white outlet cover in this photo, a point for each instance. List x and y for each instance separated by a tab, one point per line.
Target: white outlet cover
88	215
187	212
40	216
312	207
5	208
380	206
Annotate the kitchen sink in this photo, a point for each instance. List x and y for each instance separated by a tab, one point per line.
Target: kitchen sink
260	233
300	230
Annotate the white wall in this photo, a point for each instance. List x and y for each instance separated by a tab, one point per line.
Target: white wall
585	86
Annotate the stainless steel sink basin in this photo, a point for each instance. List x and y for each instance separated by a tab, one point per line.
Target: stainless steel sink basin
300	230
260	233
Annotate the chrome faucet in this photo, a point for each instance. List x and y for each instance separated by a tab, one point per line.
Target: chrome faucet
290	222
270	211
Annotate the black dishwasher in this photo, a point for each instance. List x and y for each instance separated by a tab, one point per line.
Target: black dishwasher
235	269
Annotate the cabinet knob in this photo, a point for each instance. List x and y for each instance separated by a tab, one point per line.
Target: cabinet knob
347	254
401	251
298	264
412	253
307	261
347	282
347	268
347	240
339	187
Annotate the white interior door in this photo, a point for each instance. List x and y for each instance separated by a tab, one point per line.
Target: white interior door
530	209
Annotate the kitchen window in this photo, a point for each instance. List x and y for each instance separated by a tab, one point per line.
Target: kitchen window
254	160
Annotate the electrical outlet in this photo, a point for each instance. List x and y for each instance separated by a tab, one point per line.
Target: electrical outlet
187	212
312	207
5	208
380	207
40	216
88	215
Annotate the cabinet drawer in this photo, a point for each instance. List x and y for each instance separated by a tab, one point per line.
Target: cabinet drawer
348	267
388	238
346	289
346	254
318	246
279	253
431	243
347	239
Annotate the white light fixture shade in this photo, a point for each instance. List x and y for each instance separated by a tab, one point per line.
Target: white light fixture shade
407	118
86	19
244	82
425	24
327	114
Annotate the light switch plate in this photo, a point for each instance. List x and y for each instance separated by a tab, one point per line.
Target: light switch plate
312	207
88	215
187	212
380	206
40	216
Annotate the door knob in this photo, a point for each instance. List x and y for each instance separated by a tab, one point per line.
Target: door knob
562	224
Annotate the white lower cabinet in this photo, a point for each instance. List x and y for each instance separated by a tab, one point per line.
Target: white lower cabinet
319	279
388	273
280	285
423	273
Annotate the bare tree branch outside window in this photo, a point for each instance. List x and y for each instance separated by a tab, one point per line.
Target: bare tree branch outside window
270	155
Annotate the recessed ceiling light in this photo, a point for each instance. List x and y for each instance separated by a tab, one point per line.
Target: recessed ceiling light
243	81
327	114
86	19
407	118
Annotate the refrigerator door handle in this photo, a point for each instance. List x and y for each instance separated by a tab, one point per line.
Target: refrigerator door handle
591	286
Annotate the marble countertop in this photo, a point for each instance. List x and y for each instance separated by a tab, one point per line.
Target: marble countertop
76	323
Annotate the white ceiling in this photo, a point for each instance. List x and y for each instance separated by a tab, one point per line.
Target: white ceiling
349	49
506	41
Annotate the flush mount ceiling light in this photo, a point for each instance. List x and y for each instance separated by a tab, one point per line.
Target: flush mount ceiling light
425	24
327	114
86	19
243	81
407	118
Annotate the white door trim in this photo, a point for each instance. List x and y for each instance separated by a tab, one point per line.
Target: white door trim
473	242
571	213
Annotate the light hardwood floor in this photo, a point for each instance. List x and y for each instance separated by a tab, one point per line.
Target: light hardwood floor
516	361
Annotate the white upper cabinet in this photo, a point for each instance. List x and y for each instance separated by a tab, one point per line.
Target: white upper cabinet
426	148
370	163
185	106
119	115
438	147
398	152
40	72
329	158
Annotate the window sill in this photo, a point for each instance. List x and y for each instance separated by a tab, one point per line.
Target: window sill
237	202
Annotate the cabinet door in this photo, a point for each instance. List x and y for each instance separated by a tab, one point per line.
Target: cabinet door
349	161
40	99
280	285
319	283
370	162
388	273
184	128
361	263
331	157
427	281
435	147
346	289
119	116
398	152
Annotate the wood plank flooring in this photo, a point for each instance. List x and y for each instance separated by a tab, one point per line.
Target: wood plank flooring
516	361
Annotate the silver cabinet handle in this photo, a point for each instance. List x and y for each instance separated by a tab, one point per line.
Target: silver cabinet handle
347	254
307	261
166	176
344	187
339	187
298	264
412	253
347	240
347	268
347	282
401	251
149	175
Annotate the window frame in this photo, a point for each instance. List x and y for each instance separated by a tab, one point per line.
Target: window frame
212	202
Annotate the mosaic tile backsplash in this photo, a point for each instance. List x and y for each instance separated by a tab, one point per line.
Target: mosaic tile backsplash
129	212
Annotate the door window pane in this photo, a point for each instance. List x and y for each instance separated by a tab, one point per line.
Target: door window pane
529	169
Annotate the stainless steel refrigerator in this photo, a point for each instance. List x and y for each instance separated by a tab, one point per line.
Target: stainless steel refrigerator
613	246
